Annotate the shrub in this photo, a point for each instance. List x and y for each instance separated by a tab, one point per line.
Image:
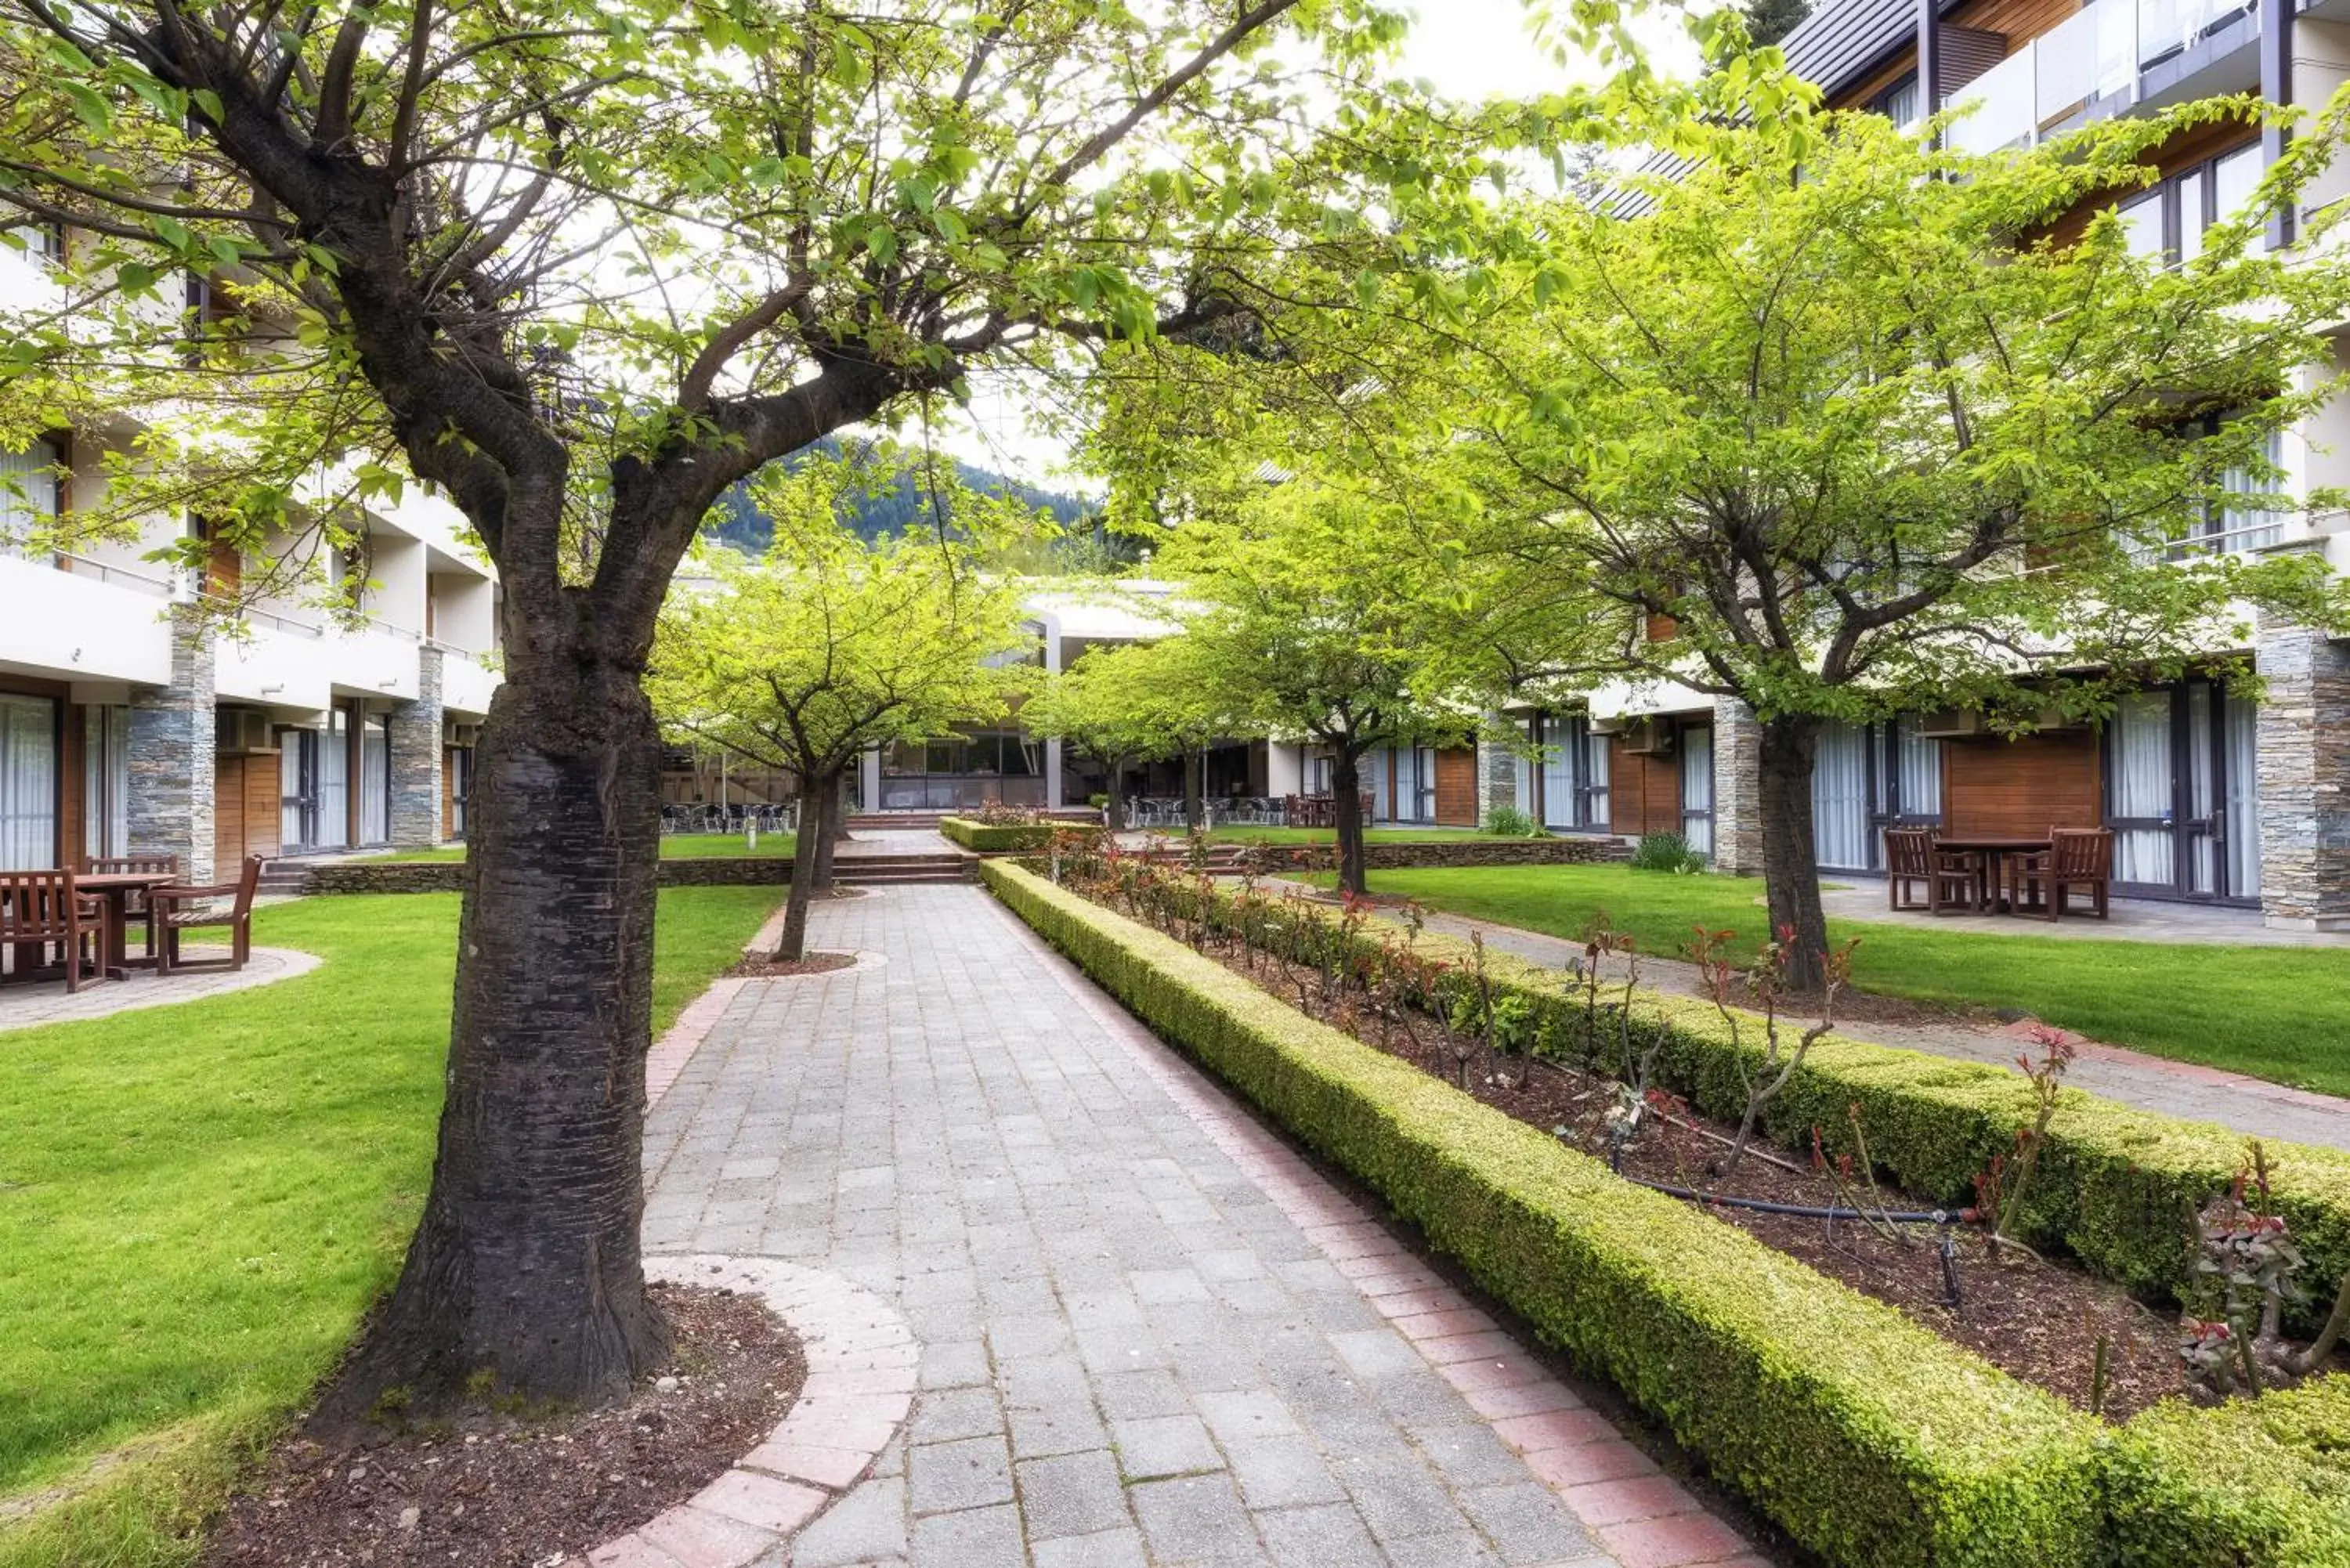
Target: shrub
996	838
1509	822
1869	1438
2263	1481
1665	852
2117	1185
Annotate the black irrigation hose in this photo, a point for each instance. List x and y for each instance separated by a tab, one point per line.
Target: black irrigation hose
1897	1217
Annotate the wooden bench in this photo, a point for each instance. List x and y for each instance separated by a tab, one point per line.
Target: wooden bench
178	909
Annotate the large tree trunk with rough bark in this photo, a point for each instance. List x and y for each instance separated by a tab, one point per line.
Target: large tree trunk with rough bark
1790	870
524	1270
1346	783
1195	766
815	811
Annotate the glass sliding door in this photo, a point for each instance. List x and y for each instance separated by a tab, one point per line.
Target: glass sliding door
2181	794
1697	787
1573	769
334	786
28	782
297	800
1843	800
106	779
375	778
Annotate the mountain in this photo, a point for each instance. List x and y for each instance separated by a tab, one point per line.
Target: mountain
737	522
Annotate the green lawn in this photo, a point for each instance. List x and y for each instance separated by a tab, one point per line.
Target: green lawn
2279	1014
198	1201
676	846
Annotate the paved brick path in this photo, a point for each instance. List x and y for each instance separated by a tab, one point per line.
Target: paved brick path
1150	1334
48	1000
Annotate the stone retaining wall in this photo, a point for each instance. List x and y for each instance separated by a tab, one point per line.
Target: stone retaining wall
1409	856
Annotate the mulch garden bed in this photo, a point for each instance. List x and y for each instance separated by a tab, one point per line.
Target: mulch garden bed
2040	1319
490	1487
766	966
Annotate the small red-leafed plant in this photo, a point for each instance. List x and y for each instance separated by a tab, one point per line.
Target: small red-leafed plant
1765	984
2001	1188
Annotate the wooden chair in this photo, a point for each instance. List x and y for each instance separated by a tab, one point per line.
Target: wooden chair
2075	858
180	909
1953	881
134	905
40	910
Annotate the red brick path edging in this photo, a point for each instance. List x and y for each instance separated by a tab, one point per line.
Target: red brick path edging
862	1364
1641	1516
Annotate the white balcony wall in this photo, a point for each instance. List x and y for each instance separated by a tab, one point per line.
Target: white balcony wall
374	662
395	587
276	665
71	626
2321	64
464	611
466	685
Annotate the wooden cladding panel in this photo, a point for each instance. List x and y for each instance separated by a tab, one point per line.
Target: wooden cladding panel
2021	788
1456	787
1644	793
2021	20
1860	93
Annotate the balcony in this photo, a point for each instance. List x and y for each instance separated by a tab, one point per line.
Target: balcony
2106	60
273	659
86	623
465	682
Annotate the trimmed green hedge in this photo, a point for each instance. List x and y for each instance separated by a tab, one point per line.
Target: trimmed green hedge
1869	1438
2117	1186
996	837
2263	1481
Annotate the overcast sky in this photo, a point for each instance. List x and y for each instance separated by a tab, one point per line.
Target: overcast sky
1465	48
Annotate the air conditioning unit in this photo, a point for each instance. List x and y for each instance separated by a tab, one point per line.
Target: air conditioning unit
1952	724
467	735
242	732
1608	726
1648	738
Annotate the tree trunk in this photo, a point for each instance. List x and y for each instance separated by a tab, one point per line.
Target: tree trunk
1346	783
1790	870
525	1268
1195	765
813	812
835	829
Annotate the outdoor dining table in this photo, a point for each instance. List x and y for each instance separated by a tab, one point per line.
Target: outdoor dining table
116	888
1994	852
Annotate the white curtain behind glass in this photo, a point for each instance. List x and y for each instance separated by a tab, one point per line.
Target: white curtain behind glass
2203	851
1697	788
2140	786
2241	724
289	788
335	784
28	784
1922	772
1840	833
375	782
1375	768
1596	749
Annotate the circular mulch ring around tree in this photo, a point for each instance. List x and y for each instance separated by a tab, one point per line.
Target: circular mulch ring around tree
765	966
497	1484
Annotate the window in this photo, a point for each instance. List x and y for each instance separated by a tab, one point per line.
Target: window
38	242
29	493
2168	222
106	779
2253	522
28	782
1900	103
1574	773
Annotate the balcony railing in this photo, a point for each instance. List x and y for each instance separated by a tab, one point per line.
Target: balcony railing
2099	53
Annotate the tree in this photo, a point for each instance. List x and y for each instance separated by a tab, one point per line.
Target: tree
582	269
1871	442
1303	622
1768	21
831	645
1119	705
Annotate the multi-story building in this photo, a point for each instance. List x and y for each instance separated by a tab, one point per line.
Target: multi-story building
2210	797
134	721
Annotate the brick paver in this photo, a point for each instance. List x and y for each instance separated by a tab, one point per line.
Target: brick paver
47	1001
1147	1332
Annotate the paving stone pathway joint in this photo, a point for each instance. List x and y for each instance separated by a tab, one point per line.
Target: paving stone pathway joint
1147	1332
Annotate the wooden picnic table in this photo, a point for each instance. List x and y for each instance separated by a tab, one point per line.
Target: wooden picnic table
114	888
1991	886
